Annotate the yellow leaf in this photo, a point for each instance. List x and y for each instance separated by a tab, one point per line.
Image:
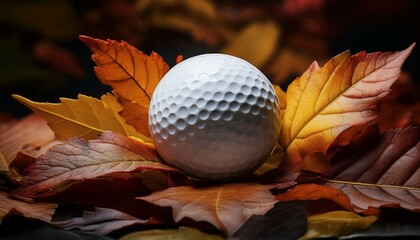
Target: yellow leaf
336	224
325	101
256	43
85	117
132	74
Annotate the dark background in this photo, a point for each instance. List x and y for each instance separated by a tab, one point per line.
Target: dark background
42	59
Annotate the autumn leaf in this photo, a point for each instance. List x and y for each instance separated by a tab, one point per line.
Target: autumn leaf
183	233
132	74
336	224
325	101
383	173
256	43
226	206
10	206
84	117
102	221
78	159
17	135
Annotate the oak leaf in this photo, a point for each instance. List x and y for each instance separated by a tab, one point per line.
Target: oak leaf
225	206
10	206
84	117
325	101
78	159
132	74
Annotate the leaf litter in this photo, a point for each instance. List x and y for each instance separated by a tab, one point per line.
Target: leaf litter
106	163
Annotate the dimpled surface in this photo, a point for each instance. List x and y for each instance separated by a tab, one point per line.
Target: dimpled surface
214	116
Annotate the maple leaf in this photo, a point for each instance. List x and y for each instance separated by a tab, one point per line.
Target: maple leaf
382	173
185	233
131	73
326	101
79	159
10	206
85	117
227	206
17	135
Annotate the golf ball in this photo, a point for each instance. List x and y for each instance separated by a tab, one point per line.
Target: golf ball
214	116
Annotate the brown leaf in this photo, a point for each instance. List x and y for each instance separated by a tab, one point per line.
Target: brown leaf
17	135
225	206
131	73
10	206
78	159
383	173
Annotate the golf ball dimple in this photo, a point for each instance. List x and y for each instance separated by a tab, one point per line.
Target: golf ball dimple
214	116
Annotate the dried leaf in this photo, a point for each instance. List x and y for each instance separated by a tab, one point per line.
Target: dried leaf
226	206
336	224
10	206
325	101
131	73
78	159
383	173
314	192
100	222
85	117
256	43
17	135
184	233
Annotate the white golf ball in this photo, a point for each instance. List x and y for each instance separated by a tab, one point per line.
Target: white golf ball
214	116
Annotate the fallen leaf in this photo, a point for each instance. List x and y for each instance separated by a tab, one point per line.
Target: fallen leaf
102	221
336	224
256	43
383	173
226	206
79	159
325	101
313	191
17	135
10	206
284	221
183	233
85	117
131	73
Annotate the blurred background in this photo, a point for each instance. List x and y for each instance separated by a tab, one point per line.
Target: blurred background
42	59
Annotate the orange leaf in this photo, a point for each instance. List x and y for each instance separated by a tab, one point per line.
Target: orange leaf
131	73
315	192
325	101
226	207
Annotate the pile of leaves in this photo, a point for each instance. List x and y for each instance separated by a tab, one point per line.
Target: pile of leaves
338	163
